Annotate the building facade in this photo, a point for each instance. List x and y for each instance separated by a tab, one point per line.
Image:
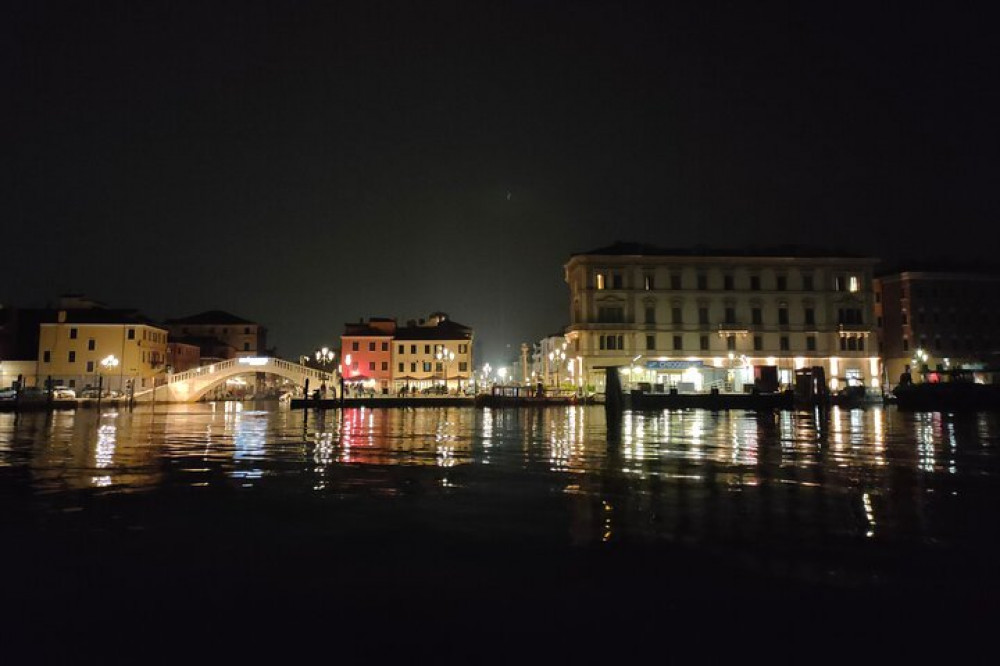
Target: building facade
380	355
87	347
432	352
932	321
366	353
182	356
216	331
695	321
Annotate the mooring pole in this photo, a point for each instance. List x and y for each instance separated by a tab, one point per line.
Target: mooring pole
613	402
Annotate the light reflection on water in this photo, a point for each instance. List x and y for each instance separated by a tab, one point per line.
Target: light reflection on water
875	474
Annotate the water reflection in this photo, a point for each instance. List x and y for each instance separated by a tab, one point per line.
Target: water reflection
681	475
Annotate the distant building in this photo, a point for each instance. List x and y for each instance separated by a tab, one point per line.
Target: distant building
700	319
952	319
383	355
79	347
432	352
551	361
366	353
220	335
182	356
68	341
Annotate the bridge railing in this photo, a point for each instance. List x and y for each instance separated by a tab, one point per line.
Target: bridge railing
253	364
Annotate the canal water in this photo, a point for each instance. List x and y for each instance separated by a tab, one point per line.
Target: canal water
458	520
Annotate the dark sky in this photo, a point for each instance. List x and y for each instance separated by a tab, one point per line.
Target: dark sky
307	163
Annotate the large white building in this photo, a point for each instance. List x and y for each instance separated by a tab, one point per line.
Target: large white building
696	320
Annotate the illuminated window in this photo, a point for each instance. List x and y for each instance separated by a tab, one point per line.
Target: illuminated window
648	283
599	280
853	283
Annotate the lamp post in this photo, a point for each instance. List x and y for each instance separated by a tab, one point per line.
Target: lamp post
108	364
445	356
324	357
557	357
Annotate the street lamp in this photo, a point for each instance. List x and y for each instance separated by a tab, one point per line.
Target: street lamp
557	357
108	363
325	356
445	356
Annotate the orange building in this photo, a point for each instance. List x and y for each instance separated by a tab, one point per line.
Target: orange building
366	354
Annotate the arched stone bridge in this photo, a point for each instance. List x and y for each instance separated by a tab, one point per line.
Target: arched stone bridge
192	385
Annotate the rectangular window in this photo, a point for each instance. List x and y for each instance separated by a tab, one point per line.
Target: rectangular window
755	282
621	342
852	344
650	342
843	344
650	315
610	315
401	349
601	341
90	366
91	344
810	343
675	314
678	342
807	282
463	366
131	334
413	367
427	349
702	315
810	316
703	342
727	282
853	283
246	346
385	346
783	316
731	342
371	346
438	367
463	349
46	357
413	349
758	343
401	366
702	282
647	282
781	283
72	357
861	344
427	366
354	366
599	280
354	346
675	282
246	330
616	280
784	343
385	365
730	315
756	316
72	334
839	283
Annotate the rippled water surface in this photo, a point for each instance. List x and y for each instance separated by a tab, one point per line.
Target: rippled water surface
838	499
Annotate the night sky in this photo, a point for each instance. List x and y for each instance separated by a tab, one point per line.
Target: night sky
308	163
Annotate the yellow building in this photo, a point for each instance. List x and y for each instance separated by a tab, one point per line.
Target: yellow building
83	345
435	352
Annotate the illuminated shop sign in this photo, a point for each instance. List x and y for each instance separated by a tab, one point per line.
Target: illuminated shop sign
673	365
